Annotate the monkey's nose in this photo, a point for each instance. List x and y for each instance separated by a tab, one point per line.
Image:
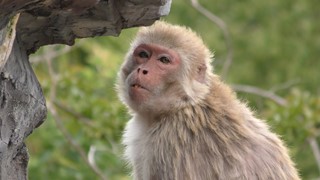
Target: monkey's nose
143	71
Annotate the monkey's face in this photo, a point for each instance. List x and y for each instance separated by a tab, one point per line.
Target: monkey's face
150	75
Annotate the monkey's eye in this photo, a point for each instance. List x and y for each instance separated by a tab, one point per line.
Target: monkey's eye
164	59
143	54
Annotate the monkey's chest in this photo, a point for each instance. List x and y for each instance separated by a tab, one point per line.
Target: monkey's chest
177	151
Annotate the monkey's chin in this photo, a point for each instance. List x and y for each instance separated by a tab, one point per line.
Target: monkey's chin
138	95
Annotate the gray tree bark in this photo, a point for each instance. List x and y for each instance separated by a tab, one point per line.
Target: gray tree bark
42	22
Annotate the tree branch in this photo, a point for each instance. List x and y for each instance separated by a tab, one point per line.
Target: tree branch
263	93
285	85
222	25
73	113
59	123
51	53
315	149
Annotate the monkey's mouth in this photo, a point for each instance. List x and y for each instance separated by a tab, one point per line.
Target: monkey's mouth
138	86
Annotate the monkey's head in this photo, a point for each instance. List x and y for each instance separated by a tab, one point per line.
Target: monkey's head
167	67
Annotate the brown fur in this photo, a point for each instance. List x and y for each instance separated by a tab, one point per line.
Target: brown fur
207	134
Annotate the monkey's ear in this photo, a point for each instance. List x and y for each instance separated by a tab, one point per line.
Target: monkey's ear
201	73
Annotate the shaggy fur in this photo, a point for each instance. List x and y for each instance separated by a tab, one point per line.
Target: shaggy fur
207	133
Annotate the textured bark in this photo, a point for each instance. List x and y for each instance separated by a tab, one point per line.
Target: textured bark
61	21
42	22
22	108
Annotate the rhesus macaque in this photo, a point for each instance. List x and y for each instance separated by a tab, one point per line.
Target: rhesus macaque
187	124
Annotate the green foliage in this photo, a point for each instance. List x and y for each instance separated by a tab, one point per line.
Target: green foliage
274	42
296	123
87	102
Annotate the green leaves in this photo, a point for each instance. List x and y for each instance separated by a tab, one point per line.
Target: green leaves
297	123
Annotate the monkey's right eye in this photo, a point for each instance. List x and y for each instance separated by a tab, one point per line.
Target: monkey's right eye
143	54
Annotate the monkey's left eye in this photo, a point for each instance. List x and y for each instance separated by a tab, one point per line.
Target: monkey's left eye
143	54
164	59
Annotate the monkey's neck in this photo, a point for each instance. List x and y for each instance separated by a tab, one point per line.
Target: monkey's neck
220	104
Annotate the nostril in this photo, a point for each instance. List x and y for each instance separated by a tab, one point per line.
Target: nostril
145	72
138	70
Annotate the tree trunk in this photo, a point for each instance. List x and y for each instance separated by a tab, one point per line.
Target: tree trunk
22	108
42	22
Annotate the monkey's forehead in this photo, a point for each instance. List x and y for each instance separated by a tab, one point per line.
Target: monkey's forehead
169	35
178	38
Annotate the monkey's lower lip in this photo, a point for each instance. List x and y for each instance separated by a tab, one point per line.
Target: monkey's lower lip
137	86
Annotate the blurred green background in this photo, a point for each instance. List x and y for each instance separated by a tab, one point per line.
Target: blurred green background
276	48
